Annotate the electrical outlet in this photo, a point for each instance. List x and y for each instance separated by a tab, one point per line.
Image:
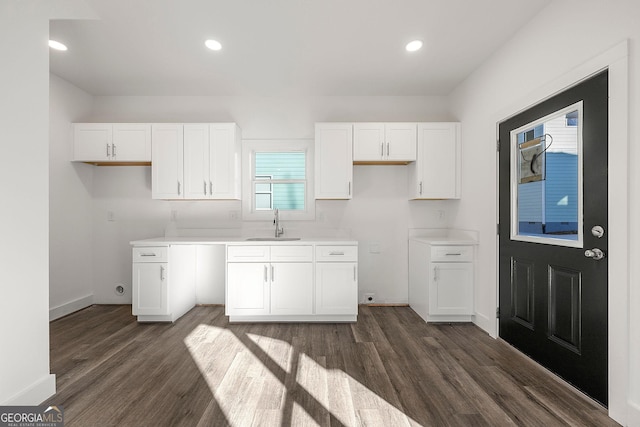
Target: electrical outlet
369	298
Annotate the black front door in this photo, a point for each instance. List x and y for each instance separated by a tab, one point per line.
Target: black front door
553	234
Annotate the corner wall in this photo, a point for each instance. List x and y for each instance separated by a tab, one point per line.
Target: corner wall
24	225
558	41
70	204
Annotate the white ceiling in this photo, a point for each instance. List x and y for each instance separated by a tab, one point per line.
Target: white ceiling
283	47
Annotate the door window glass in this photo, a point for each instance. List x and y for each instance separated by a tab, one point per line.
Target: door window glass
546	179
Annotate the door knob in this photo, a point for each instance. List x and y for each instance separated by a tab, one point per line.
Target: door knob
594	253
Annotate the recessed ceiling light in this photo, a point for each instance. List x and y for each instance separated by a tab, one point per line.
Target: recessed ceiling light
56	45
213	44
414	45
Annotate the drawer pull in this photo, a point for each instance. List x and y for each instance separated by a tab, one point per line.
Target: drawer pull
336	253
148	255
456	254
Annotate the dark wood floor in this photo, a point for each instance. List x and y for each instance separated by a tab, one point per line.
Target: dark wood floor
389	369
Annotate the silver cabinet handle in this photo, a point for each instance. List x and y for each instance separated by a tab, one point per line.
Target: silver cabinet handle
336	253
161	273
211	188
205	187
421	188
147	254
387	149
382	149
349	187
265	273
113	150
435	273
452	254
108	152
179	192
273	276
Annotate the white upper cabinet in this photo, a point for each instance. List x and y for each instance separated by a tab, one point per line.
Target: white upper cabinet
225	148
334	161
112	142
167	174
436	172
384	142
211	161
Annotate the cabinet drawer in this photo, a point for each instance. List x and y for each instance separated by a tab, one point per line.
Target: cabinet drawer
452	253
248	253
150	254
292	253
337	253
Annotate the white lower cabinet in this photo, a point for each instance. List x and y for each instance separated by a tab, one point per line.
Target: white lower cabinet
278	283
281	288
163	283
150	289
291	288
258	286
336	288
337	280
249	294
441	281
450	290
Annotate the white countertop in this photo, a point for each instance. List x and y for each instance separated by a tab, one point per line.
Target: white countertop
444	236
208	240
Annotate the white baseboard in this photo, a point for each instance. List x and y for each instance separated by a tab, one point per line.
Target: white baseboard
70	307
35	394
487	324
633	414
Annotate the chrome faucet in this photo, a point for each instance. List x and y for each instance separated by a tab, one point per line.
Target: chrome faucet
276	221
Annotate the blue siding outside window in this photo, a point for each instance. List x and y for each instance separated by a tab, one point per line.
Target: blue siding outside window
280	180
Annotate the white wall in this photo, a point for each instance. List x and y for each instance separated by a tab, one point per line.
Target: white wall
378	216
70	207
561	38
24	226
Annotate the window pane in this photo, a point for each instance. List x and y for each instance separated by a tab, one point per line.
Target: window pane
547	159
285	165
288	196
263	202
263	188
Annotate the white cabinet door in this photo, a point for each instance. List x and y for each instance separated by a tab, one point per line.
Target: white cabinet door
292	288
336	288
333	161
224	161
150	289
196	161
92	141
436	172
131	142
167	161
247	289
400	141
451	288
384	142
368	142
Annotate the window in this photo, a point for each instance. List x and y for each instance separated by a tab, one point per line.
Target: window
546	179
278	175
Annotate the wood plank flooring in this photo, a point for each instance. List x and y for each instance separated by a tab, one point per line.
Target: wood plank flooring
388	369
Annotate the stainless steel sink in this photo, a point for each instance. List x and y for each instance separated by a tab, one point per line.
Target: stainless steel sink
272	239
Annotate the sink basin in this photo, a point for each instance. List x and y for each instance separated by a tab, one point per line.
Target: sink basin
272	239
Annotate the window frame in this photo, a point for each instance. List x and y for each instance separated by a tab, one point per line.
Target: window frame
249	148
514	215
